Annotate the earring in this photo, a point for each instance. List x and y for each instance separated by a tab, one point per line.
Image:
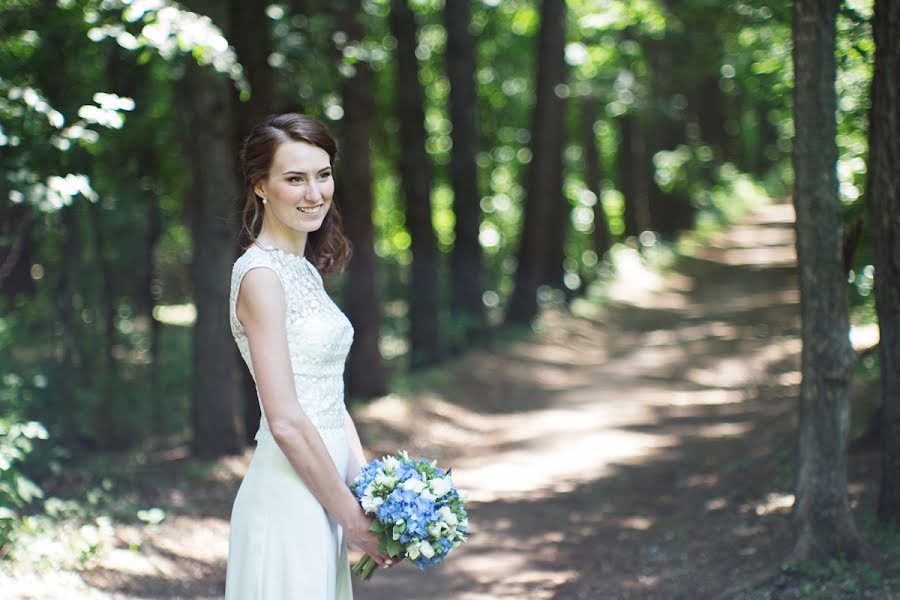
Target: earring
264	201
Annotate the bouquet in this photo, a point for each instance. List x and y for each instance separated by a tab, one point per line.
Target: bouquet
418	512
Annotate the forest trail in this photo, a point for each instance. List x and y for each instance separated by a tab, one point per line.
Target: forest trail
630	457
639	454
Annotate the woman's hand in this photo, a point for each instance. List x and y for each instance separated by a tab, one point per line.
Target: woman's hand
359	536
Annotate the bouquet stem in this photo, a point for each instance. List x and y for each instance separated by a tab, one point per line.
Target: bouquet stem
365	567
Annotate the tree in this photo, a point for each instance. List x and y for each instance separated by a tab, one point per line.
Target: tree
592	175
366	376
824	526
415	170
883	202
206	96
544	186
465	265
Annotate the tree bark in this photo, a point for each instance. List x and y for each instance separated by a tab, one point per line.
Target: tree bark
365	374
634	174
415	169
883	203
544	185
823	523
109	430
207	100
467	306
593	175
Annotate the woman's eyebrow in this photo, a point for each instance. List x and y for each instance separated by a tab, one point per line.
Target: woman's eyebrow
294	172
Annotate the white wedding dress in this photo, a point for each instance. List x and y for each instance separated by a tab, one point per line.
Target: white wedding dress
283	545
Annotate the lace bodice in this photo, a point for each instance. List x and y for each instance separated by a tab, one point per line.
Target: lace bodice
319	334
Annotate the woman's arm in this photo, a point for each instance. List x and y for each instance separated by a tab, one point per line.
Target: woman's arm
357	454
261	310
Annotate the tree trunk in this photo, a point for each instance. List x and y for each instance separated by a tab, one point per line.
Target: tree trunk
415	171
111	433
824	526
560	209
366	376
467	306
207	101
66	292
544	184
634	176
154	231
883	201
593	175
16	226
250	35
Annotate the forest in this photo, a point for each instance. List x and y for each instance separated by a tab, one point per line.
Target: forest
503	165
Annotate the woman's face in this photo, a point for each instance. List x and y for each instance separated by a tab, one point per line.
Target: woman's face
299	187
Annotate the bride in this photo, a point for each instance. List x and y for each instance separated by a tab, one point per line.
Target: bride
294	514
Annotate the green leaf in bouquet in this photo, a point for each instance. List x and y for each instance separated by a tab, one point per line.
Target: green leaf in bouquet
394	548
376	527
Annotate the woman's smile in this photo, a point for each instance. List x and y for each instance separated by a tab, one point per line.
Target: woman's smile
311	210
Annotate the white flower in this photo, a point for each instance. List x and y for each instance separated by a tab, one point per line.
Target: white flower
385	480
440	486
435	530
391	463
412	551
426	549
370	504
414	485
447	516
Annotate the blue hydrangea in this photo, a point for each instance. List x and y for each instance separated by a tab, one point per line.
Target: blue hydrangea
415	517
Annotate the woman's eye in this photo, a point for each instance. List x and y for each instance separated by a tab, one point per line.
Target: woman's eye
325	175
295	179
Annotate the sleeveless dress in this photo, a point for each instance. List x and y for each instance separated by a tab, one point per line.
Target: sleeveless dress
283	545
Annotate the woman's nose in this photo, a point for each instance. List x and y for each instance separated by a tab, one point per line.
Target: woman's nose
312	191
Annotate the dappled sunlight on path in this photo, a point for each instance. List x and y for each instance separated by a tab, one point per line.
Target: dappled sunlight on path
594	452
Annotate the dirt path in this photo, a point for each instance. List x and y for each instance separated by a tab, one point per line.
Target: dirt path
623	459
638	455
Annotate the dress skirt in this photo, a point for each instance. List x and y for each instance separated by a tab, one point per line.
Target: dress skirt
283	545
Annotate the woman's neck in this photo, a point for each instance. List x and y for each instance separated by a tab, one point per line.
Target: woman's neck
289	241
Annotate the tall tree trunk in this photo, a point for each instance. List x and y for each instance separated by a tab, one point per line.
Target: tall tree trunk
710	113
593	175
366	376
467	306
250	34
109	430
544	173
664	131
66	292
207	101
16	226
415	169
634	175
560	209
824	526
154	231
883	201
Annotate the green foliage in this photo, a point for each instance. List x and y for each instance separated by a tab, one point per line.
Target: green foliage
840	578
17	441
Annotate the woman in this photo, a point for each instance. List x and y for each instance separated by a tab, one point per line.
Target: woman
294	514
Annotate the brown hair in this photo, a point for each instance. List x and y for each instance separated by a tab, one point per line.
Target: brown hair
327	248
